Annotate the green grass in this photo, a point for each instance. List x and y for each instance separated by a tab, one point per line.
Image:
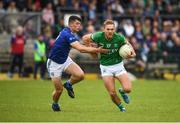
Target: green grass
151	100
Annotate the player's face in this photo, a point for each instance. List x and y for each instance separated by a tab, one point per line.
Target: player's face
109	31
76	26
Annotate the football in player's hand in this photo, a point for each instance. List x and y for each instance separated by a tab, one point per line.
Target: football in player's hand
125	51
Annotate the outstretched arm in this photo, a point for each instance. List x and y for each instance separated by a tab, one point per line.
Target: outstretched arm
85	49
89	43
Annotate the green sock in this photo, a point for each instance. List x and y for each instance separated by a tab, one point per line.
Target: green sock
120	106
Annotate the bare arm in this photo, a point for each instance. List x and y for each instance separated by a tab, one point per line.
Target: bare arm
133	54
85	49
88	42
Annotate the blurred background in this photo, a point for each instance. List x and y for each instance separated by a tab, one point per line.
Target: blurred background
151	26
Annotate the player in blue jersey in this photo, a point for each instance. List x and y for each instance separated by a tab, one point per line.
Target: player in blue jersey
59	60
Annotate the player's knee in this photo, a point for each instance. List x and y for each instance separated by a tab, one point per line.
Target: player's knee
80	76
127	89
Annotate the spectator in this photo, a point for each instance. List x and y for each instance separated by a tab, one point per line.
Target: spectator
128	28
92	11
155	35
48	15
48	39
146	28
84	5
148	8
2	10
176	49
17	51
169	9
75	5
12	7
135	7
60	4
148	40
90	29
108	13
156	25
21	5
154	53
44	3
101	6
156	17
163	46
34	8
39	57
176	41
138	33
117	8
160	5
139	59
176	26
167	27
58	27
29	28
37	6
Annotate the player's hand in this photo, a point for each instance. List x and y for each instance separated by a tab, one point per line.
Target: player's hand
131	55
102	50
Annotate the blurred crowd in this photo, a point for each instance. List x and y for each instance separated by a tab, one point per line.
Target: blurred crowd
92	8
149	25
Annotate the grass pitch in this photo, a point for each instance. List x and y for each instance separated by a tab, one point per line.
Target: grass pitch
29	100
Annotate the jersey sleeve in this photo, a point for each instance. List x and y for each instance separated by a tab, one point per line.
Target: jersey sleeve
71	38
122	39
95	36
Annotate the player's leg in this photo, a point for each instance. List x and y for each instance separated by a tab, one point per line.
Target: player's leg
76	73
76	76
20	64
126	86
42	70
110	87
55	71
12	65
36	65
109	83
57	92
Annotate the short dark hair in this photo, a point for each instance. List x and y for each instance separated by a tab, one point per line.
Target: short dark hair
74	18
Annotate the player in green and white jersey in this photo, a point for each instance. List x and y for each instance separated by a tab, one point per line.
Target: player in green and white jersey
111	63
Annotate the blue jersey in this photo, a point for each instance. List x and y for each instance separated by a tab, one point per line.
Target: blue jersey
61	47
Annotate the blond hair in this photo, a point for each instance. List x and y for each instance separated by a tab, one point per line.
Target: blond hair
107	22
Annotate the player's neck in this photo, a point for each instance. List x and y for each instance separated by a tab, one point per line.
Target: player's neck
73	31
108	38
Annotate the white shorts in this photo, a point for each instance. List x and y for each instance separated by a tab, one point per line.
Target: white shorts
55	69
113	70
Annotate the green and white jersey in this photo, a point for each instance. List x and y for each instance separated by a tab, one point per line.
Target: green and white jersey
112	57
